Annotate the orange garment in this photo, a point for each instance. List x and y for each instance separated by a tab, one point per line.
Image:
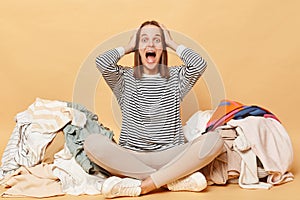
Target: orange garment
228	110
226	106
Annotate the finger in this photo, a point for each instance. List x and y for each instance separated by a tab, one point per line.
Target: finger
165	29
162	26
134	33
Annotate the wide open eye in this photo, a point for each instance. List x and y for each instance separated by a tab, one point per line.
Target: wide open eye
157	40
144	40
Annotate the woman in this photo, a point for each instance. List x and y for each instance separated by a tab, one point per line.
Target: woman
152	151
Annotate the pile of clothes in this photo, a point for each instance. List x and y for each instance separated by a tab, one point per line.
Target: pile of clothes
257	153
45	157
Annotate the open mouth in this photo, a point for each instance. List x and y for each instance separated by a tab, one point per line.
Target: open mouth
150	54
150	57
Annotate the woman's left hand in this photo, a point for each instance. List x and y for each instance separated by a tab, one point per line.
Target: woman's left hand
168	38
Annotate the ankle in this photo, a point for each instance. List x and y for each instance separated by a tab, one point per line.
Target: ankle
147	186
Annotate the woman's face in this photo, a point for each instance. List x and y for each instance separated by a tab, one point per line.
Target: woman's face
150	48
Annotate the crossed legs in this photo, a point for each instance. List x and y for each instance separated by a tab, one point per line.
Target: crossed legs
155	169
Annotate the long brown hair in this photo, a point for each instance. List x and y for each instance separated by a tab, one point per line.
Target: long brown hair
163	62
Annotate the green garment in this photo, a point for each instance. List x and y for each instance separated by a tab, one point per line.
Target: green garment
75	137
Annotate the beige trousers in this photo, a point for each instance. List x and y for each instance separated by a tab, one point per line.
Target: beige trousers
162	166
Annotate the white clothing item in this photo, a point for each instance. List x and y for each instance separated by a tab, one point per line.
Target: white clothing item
271	144
74	180
35	129
196	124
244	175
14	148
248	176
78	118
241	142
15	144
9	163
36	144
23	118
48	116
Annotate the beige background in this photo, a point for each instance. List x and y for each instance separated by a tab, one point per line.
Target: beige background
254	44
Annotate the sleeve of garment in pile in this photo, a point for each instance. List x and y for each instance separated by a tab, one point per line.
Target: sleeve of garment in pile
9	163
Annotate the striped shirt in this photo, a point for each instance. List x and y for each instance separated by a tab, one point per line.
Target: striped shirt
151	105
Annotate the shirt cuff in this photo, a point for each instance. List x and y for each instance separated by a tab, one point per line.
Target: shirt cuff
180	49
121	51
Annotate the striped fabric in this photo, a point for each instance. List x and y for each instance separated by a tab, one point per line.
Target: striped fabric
48	116
151	105
35	128
9	164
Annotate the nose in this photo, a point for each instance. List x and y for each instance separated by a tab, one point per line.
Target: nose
150	43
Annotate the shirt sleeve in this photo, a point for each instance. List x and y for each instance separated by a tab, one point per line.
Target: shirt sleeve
194	66
111	72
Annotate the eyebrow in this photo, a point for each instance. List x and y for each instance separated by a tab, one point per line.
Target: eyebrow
154	35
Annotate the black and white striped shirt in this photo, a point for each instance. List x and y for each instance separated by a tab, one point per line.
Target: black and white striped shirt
151	105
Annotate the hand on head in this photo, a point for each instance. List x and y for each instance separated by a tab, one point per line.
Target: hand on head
132	43
168	38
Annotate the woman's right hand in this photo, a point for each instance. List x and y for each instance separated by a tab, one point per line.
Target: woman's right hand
132	43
